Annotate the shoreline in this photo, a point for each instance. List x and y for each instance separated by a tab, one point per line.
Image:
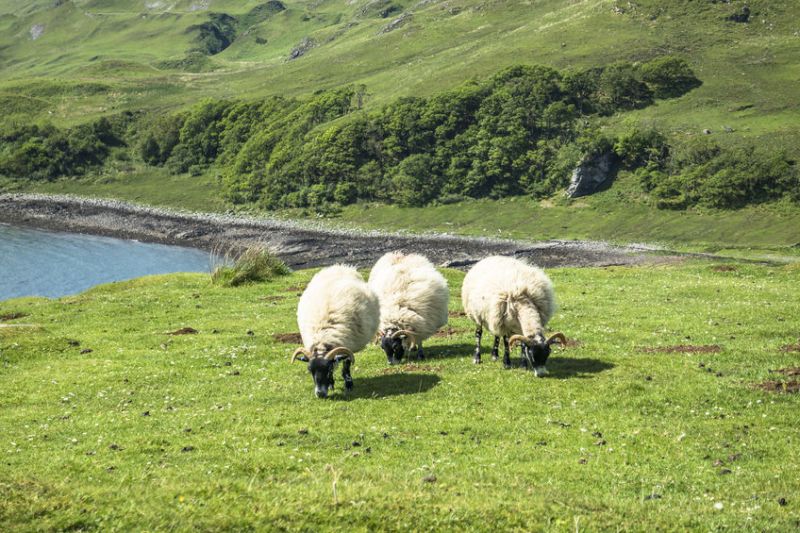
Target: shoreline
299	245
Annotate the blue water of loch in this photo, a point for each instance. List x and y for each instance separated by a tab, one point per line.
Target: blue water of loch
45	263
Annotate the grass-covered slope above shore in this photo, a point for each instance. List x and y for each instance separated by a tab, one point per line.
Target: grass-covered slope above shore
650	418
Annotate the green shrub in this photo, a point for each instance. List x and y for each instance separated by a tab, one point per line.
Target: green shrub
256	264
669	77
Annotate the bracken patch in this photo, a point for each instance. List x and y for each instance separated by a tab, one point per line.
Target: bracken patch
683	348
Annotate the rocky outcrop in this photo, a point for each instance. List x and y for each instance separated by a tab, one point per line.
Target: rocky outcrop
305	45
592	174
396	23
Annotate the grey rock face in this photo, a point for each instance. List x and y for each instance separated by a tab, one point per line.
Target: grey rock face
591	174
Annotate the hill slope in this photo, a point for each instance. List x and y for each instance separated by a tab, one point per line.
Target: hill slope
55	53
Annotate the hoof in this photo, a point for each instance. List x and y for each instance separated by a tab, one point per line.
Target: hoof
507	366
348	385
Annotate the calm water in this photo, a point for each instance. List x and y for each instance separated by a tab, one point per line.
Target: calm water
43	263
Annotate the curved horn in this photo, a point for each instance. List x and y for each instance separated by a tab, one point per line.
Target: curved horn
340	350
558	337
410	334
512	342
299	351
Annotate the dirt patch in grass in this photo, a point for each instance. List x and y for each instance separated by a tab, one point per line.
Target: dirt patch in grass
12	316
785	387
294	288
456	314
794	371
723	268
184	331
683	348
791	347
288	338
411	367
449	332
275	298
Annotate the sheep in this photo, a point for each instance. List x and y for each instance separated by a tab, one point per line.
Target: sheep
338	315
513	300
414	298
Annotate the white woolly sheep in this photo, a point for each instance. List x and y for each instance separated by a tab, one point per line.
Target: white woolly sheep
413	297
513	300
338	315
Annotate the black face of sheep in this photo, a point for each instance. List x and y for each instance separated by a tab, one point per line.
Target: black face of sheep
536	350
321	368
393	348
392	345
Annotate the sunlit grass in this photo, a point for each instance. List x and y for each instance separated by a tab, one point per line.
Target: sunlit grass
109	422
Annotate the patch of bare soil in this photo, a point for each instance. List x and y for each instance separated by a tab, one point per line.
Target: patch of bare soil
791	347
723	268
456	314
288	338
294	288
785	387
683	348
12	316
411	367
449	332
275	298
787	371
184	331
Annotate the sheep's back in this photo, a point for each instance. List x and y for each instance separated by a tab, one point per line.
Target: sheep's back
339	309
413	294
494	285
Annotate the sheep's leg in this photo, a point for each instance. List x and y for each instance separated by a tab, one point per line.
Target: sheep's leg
478	335
506	353
420	355
494	348
348	379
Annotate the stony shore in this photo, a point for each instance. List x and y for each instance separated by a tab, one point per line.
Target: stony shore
301	245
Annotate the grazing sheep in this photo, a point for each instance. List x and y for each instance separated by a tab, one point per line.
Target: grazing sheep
338	315
513	300
414	298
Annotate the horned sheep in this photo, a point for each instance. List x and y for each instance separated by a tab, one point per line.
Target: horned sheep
513	300
338	315
413	297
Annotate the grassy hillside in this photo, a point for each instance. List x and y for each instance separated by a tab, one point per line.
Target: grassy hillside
96	56
647	421
70	62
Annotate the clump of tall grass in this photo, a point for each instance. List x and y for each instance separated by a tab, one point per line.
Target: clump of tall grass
253	265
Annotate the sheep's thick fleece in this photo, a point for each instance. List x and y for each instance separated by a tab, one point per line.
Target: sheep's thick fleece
412	293
338	308
508	296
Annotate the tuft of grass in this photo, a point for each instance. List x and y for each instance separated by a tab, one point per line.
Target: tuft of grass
254	265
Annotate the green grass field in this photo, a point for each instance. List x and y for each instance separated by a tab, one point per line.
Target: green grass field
114	424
